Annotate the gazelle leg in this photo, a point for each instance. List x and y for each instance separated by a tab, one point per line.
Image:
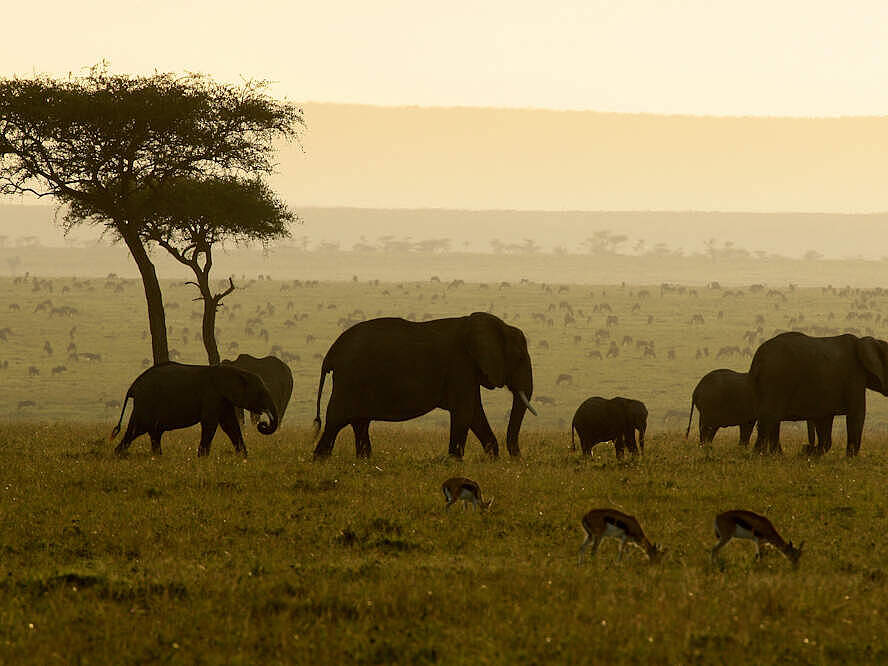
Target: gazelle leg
721	544
620	551
758	550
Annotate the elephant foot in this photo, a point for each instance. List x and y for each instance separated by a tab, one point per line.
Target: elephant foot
121	452
321	455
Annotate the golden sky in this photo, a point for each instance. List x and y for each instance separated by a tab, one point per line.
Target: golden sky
723	57
614	63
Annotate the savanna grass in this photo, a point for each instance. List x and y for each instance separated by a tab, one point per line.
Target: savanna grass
280	560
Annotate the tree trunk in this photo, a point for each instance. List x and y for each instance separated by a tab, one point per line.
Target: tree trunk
209	320
153	297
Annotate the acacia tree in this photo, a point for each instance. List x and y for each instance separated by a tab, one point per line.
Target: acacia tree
192	215
105	145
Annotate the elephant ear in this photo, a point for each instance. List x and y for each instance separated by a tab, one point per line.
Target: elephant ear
486	346
233	383
873	355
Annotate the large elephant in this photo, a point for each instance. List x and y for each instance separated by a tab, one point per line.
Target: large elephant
277	377
174	395
391	369
796	377
610	420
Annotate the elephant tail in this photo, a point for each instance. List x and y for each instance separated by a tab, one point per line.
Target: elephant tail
690	418
325	368
573	446
116	430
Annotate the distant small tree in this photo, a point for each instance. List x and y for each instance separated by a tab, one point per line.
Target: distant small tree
813	255
105	144
604	241
191	215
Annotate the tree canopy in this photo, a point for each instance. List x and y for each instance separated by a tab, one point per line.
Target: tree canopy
108	145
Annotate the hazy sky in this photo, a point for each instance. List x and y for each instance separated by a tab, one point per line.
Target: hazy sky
786	57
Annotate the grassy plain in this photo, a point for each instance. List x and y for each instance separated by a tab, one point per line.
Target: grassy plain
277	559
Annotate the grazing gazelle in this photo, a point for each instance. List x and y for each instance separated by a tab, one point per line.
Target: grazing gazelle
600	523
748	525
461	488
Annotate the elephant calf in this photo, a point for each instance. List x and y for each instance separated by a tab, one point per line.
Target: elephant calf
171	395
724	398
614	420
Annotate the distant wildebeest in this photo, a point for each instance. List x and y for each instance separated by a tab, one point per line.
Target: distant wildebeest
564	378
26	403
612	320
594	353
47	348
33	371
14	307
59	369
613	351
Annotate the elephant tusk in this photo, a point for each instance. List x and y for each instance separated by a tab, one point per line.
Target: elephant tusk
527	403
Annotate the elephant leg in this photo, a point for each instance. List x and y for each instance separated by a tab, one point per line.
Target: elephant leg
155	442
459	431
324	447
854	423
746	433
766	427
824	433
481	429
629	441
586	446
709	433
231	427
774	440
619	446
362	438
132	431
207	432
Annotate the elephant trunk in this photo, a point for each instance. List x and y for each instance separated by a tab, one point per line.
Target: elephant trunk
273	419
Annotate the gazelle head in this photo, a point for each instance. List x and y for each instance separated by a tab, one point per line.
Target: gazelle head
655	553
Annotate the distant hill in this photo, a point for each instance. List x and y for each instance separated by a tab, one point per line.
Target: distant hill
513	159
